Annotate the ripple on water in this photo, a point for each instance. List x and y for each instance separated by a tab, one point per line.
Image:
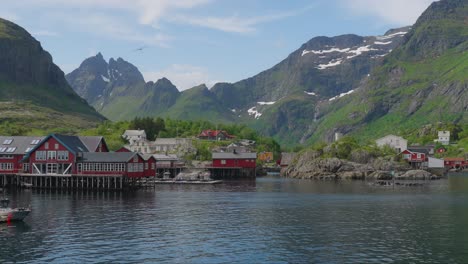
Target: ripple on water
269	221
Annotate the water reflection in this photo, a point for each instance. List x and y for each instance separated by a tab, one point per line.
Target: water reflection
271	220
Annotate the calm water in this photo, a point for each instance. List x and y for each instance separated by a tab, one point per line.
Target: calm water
272	220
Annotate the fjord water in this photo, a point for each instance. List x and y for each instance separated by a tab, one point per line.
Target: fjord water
270	220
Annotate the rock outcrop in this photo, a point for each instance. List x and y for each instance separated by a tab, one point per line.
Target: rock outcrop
309	165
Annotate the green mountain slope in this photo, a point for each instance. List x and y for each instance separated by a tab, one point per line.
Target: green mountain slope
29	80
422	82
198	103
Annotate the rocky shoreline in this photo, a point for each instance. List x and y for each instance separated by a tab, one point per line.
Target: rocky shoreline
309	165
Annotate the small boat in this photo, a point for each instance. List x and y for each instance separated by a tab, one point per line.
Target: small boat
8	214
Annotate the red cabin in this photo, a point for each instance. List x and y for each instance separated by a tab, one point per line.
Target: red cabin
455	163
111	163
150	165
234	160
415	159
214	135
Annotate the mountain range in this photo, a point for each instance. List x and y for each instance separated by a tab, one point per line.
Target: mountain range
361	86
278	101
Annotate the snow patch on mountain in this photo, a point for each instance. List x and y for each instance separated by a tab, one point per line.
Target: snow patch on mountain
401	33
266	103
330	64
310	93
382	43
253	111
359	51
341	95
104	78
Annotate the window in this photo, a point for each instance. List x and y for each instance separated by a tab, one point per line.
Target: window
135	159
11	150
419	155
7	141
62	155
28	149
6	156
52	167
223	162
140	167
146	166
41	155
52	155
46	145
79	167
6	166
56	146
25	167
130	167
152	166
35	141
3	149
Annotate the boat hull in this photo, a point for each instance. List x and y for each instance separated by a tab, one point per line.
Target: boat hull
17	214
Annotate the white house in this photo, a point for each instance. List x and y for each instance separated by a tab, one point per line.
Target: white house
398	143
134	135
444	137
173	145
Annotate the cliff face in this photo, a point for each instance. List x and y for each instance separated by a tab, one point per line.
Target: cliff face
28	74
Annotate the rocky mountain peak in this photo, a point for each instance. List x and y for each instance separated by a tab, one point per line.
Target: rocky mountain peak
124	73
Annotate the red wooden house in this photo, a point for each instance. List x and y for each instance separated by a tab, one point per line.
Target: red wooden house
57	154
128	164
214	135
94	143
123	149
234	159
455	163
12	151
150	165
415	159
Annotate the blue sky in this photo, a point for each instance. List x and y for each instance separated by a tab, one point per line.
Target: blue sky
199	41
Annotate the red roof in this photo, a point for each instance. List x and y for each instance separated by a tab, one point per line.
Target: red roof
454	159
214	133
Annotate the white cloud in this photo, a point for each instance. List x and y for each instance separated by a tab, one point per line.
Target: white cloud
399	12
235	23
148	11
183	76
104	25
44	33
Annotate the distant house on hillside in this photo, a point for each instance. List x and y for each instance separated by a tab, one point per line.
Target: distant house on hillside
266	156
428	149
173	145
398	143
443	137
134	135
214	135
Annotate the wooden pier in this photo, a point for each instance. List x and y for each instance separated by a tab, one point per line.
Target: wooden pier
60	181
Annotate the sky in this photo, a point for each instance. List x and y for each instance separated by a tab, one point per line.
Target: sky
191	42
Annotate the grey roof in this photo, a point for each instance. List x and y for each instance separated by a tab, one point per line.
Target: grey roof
20	144
91	142
130	133
106	156
72	142
238	155
419	150
162	157
146	156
